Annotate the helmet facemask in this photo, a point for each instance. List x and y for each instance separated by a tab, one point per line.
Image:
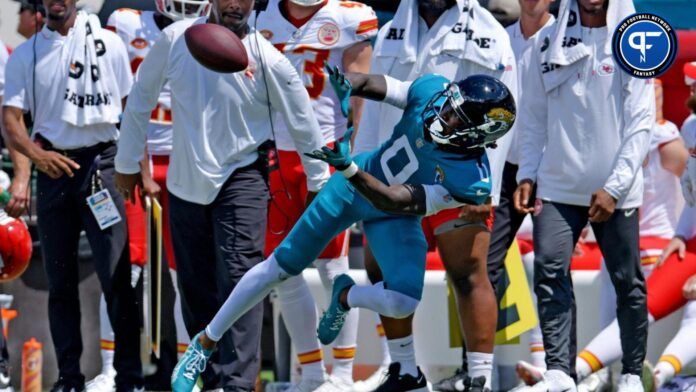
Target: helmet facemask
452	126
307	3
183	9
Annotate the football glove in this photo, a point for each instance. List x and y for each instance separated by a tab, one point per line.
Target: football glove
341	86
339	156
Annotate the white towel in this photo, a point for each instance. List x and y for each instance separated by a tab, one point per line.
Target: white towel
91	93
401	41
568	30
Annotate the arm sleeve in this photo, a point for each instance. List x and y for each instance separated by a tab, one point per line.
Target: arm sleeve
639	117
289	96
687	221
397	92
438	198
531	121
149	80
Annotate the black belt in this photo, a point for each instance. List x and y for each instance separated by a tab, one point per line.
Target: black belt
95	148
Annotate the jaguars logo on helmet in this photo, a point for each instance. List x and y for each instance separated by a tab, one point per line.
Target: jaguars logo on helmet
470	114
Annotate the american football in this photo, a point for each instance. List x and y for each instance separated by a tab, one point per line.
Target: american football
348	195
216	48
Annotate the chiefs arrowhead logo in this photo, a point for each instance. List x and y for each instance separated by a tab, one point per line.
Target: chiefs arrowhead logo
606	69
139	43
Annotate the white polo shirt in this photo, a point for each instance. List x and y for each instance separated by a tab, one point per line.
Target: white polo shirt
522	48
3	60
219	120
51	68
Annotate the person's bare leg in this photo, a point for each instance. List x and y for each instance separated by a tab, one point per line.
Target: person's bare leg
464	252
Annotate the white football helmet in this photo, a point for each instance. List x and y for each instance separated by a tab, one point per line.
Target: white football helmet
307	3
183	9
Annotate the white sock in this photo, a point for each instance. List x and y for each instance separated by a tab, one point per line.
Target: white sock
107	339
664	371
602	351
182	337
538	359
403	352
383	301
254	286
681	349
386	357
344	345
536	348
582	368
480	364
300	316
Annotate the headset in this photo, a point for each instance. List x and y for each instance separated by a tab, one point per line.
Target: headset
266	147
259	6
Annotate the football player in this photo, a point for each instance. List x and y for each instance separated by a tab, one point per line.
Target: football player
139	30
435	159
453	38
689	126
311	33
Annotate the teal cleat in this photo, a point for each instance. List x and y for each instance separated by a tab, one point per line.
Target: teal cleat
190	366
332	320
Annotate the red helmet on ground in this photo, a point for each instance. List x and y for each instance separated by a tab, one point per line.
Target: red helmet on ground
15	247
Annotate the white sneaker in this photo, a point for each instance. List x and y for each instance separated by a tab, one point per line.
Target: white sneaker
553	381
101	383
307	385
528	373
335	384
630	383
372	382
599	381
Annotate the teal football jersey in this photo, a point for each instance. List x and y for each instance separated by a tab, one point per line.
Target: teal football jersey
409	157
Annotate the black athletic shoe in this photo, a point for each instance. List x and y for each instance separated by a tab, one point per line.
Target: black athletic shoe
452	384
396	383
477	384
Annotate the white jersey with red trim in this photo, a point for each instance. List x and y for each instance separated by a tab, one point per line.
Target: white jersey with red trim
662	200
322	39
139	32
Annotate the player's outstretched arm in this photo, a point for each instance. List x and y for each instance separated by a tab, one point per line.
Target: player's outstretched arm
398	199
404	199
357	84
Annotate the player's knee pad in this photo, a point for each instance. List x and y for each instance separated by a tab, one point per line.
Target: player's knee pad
399	305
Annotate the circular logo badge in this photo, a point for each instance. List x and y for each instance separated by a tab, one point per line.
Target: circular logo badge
268	34
644	45
139	43
328	34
